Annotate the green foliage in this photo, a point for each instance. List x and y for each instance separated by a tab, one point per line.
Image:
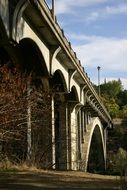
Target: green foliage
122	98
111	105
114	98
125	110
111	88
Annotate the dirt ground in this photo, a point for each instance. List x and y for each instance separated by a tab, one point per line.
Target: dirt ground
39	180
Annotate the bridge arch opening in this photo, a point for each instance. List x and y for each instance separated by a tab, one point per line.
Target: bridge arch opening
58	82
32	58
96	160
73	95
33	63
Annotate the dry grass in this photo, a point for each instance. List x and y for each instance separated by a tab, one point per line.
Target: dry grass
6	166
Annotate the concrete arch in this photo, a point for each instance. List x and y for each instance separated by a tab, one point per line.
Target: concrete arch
58	82
92	127
32	62
73	95
57	67
76	88
32	58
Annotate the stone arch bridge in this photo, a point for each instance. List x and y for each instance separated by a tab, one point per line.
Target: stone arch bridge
30	36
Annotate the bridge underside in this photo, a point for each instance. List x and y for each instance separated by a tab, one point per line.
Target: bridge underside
55	119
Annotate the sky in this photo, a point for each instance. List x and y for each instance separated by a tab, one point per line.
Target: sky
97	30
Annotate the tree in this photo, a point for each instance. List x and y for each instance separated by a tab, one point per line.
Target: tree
122	98
125	111
13	113
111	88
111	105
25	118
114	98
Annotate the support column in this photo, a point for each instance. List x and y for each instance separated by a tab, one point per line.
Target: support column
105	147
86	120
60	132
79	135
63	136
53	134
69	138
73	140
29	141
74	134
82	125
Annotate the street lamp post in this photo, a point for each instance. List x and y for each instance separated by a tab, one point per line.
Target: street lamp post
53	9
98	68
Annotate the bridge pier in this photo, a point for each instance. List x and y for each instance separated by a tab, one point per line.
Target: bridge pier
61	136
